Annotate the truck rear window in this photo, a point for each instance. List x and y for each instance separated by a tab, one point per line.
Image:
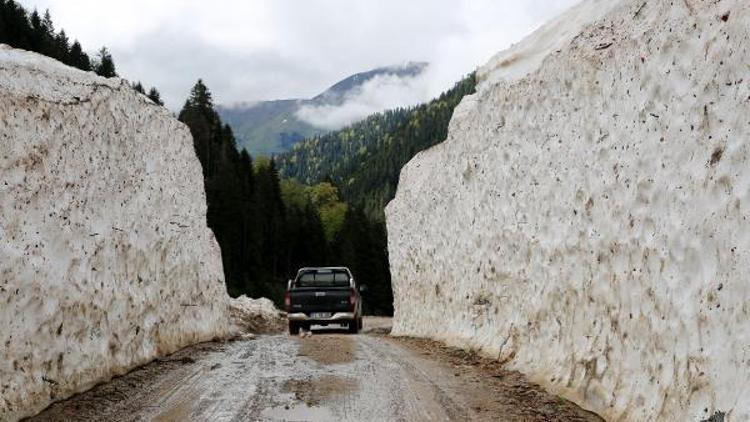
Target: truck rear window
323	279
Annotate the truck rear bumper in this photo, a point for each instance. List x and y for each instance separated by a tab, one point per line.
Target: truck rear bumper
336	317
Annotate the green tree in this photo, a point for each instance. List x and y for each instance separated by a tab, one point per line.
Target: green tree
62	48
78	58
33	32
106	65
332	211
155	96
138	87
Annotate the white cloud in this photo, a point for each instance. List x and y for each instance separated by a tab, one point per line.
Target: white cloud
268	49
380	93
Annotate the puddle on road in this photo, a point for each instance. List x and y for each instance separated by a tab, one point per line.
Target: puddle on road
298	412
307	399
313	391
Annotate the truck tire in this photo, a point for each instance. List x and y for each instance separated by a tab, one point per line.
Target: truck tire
293	328
353	326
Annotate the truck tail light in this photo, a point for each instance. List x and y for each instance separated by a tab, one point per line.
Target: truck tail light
352	298
288	300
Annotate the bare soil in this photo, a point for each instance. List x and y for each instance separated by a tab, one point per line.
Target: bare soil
314	391
493	390
329	376
328	350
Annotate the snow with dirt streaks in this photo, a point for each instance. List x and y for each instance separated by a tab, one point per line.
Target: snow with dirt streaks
106	261
586	219
256	316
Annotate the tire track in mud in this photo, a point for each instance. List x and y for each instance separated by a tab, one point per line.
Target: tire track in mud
414	382
327	377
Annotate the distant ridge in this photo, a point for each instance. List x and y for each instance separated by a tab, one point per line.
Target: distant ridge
272	127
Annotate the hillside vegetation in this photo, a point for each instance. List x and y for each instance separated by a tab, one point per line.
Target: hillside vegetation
268	229
364	160
266	128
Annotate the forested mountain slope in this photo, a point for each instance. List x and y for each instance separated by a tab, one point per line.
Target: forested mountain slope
267	228
272	127
364	160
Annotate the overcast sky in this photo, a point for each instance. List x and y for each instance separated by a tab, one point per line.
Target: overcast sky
249	50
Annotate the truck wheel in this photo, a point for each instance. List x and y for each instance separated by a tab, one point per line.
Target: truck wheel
293	328
360	323
353	327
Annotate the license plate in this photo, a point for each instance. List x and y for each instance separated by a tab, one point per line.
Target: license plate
320	315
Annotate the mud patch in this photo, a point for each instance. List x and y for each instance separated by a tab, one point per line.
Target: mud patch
182	411
113	401
327	349
315	391
493	390
377	325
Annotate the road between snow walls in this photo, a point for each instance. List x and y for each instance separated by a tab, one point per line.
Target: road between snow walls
586	219
106	261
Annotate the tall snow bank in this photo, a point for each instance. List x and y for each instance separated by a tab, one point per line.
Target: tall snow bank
587	221
106	261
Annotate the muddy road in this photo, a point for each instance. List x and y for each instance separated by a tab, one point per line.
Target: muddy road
328	376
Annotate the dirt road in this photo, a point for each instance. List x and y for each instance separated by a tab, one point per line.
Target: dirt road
328	376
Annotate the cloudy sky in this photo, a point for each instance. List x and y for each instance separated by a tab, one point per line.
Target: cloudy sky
250	50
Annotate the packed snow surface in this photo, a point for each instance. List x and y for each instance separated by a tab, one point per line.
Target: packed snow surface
586	219
526	56
106	261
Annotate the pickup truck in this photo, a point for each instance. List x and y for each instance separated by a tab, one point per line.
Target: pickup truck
324	296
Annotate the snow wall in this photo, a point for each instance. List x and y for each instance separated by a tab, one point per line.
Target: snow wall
106	261
587	218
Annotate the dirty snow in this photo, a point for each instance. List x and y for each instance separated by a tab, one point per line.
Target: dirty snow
106	261
256	315
526	56
586	219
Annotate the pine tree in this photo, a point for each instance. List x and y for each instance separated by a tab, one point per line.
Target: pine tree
204	123
62	48
250	247
154	95
78	58
17	29
138	87
272	213
38	33
229	185
47	24
106	65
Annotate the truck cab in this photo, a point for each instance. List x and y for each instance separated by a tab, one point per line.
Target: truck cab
324	296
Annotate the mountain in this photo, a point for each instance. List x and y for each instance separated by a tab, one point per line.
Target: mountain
365	159
272	127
